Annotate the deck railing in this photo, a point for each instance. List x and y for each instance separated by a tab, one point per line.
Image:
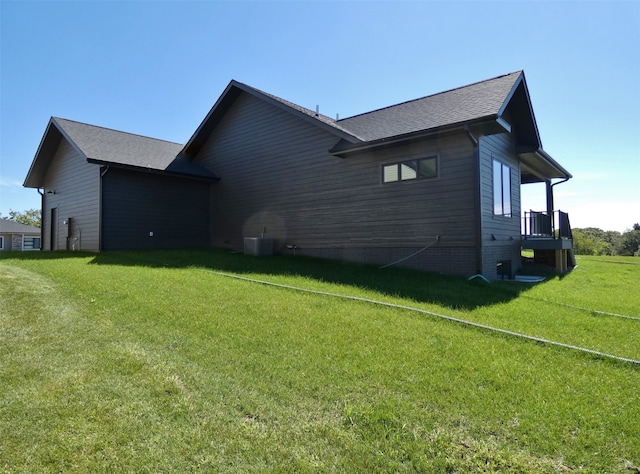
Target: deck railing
554	225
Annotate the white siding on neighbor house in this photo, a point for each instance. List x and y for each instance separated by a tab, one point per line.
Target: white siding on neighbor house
77	188
500	234
277	177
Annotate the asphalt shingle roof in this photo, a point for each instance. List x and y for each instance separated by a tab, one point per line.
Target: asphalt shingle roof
11	227
105	145
472	102
112	146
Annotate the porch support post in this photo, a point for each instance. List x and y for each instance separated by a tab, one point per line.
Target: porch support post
561	261
549	197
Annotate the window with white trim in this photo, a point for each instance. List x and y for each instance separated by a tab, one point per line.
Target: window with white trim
31	243
1	242
501	189
422	168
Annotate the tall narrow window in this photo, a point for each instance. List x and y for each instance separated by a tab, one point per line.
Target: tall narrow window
501	189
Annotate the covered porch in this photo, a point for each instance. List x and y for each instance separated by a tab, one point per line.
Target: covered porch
549	236
546	232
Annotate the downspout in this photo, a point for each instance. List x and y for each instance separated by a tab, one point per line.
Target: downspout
478	199
41	193
550	203
103	172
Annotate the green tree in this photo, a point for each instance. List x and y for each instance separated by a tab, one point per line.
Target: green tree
589	242
32	217
630	244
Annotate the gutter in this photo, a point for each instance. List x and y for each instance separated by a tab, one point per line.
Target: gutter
41	193
387	141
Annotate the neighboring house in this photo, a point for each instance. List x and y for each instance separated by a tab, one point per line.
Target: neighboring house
432	183
16	236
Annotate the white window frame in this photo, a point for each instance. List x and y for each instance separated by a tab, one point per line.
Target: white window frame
32	237
1	242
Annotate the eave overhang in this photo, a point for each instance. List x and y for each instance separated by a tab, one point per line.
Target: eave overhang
486	125
47	148
174	169
538	166
518	105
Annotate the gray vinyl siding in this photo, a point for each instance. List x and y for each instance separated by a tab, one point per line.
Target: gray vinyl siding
7	242
500	235
136	203
76	186
277	177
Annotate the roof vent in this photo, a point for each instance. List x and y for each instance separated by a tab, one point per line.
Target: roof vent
317	110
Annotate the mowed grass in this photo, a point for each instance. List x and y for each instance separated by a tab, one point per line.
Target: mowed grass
156	362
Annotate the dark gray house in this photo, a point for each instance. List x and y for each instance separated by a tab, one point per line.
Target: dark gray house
107	190
432	183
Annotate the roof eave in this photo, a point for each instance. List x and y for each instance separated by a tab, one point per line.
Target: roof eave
545	166
38	167
491	124
522	81
148	169
45	153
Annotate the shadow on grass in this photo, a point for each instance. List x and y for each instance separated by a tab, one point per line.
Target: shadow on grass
444	290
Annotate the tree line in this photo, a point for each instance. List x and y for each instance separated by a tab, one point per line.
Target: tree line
594	241
32	217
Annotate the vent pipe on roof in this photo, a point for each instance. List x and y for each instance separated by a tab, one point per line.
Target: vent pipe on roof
317	110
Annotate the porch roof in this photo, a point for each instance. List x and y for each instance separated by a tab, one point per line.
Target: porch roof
538	166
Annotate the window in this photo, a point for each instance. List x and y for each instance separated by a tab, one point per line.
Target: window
501	189
1	243
410	169
503	269
31	243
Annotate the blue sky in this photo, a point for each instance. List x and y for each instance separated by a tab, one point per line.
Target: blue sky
156	68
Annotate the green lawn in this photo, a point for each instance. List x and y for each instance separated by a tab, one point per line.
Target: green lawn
155	362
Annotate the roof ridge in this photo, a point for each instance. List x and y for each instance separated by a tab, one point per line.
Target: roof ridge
431	95
118	131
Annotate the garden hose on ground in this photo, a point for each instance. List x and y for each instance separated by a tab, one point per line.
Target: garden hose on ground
431	313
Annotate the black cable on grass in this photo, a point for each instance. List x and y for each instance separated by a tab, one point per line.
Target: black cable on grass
431	313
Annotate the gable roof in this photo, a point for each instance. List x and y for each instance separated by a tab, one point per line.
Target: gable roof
233	90
112	146
11	227
495	105
109	147
484	100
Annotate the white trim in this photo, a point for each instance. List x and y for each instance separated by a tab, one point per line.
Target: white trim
31	237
